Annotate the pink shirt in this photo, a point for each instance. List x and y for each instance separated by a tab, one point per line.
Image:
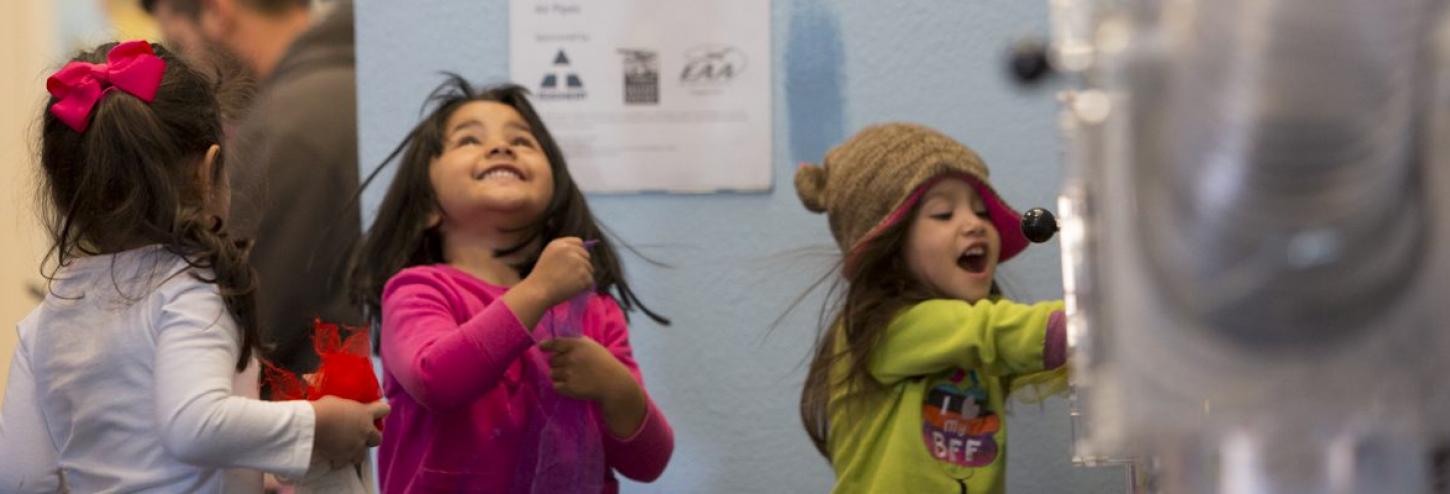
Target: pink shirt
454	375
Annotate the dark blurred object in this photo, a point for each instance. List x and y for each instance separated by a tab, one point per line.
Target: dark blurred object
1440	470
1029	62
1039	225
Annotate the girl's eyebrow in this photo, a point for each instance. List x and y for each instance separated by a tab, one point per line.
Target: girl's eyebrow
465	124
517	125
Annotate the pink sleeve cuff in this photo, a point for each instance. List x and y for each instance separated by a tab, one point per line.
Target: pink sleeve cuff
643	455
1054	346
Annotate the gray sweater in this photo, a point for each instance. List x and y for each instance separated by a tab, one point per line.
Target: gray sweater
294	168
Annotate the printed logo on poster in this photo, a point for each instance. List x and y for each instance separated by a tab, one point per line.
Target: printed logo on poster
561	82
641	76
709	68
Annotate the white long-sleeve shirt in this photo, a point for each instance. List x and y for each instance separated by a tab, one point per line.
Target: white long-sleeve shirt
124	380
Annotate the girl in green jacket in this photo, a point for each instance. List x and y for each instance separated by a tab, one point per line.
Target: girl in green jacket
906	389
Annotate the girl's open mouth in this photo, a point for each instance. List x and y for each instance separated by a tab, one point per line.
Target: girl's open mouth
974	260
497	172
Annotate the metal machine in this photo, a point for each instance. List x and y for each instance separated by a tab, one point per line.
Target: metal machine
1255	229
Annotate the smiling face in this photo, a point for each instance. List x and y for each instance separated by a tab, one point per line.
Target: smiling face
952	246
492	171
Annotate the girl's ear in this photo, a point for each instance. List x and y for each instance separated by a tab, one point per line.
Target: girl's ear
206	174
212	182
435	218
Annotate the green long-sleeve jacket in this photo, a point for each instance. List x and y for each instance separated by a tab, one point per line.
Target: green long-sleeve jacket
935	424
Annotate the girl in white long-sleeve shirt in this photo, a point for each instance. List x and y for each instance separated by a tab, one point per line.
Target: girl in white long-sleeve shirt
137	372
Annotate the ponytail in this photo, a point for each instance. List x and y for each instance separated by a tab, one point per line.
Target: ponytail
132	178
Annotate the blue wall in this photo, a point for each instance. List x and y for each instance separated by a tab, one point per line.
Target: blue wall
726	381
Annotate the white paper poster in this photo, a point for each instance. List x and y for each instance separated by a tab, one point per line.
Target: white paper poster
651	95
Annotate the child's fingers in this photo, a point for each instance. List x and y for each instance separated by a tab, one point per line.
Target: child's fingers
558	360
565	389
557	346
374	438
561	345
378	409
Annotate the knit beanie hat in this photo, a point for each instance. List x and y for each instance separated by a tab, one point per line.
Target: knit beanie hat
873	179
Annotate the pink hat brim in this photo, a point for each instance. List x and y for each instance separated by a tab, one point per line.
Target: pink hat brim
1007	220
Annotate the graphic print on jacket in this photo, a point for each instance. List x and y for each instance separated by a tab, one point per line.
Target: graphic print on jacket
957	423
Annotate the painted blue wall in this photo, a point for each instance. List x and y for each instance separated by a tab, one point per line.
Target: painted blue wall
727	382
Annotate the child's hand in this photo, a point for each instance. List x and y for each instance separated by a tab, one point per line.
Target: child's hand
562	271
345	430
582	368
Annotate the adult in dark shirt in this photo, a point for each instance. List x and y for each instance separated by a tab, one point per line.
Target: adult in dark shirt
293	162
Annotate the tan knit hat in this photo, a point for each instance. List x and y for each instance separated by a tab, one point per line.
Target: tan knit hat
869	182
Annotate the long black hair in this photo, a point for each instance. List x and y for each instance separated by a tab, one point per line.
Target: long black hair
401	237
132	179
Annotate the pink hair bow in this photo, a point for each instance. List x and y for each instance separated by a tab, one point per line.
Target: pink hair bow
131	67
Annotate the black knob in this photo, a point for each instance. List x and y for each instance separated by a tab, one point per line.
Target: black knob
1029	62
1039	225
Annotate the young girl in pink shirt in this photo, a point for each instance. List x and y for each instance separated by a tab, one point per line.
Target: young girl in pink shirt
481	233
